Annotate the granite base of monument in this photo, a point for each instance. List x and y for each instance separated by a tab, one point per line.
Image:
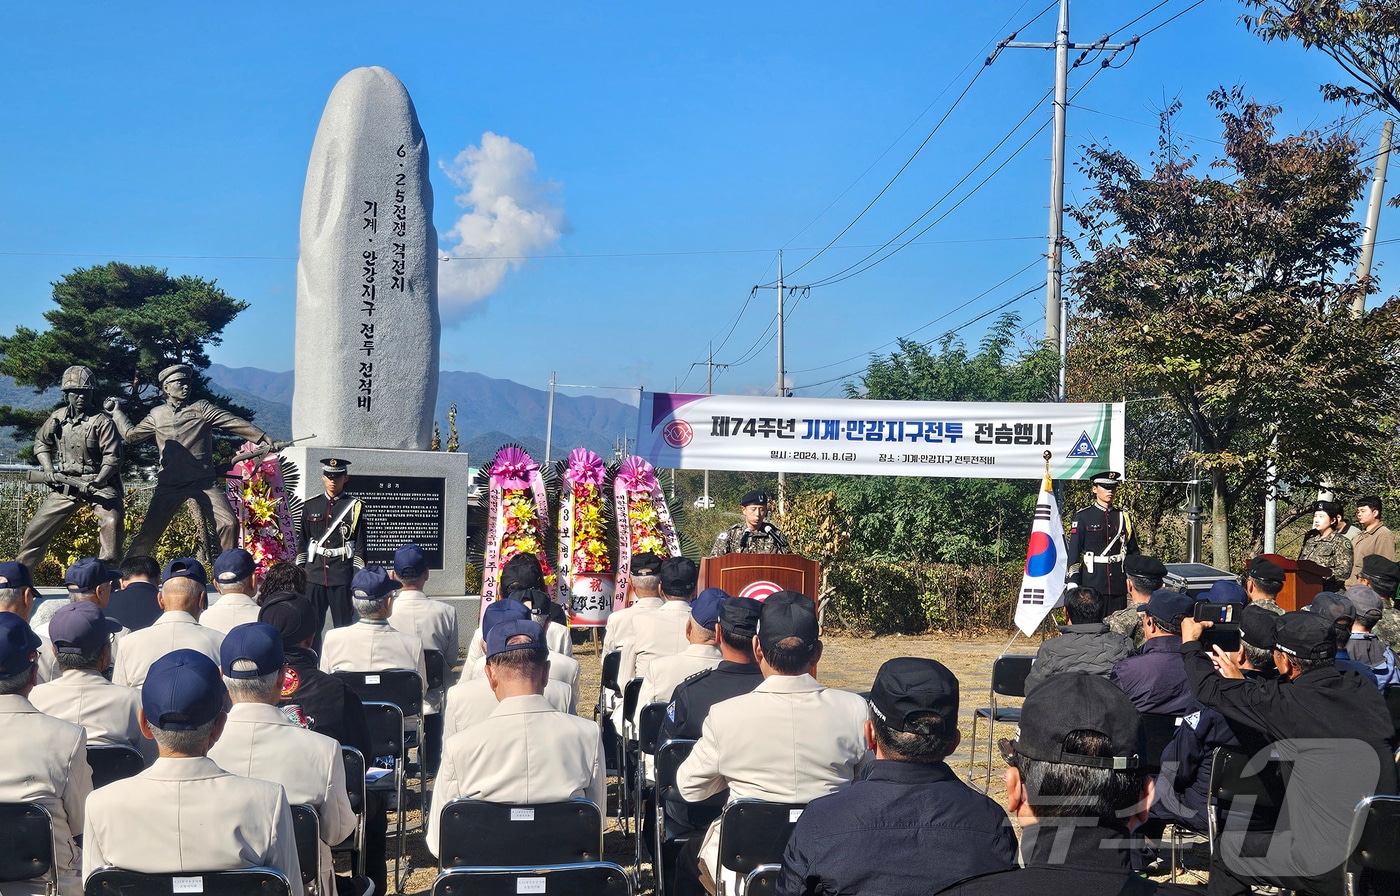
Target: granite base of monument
410	496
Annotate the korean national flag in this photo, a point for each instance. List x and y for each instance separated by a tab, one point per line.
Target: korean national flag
1043	585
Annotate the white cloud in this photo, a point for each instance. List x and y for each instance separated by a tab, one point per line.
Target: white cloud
510	215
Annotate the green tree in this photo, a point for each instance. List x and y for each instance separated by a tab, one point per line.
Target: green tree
1228	297
126	323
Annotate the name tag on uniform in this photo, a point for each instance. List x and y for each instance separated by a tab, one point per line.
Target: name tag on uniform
371	679
529	884
793	815
523	815
187	885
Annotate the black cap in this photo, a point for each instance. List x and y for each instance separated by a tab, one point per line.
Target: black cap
1366	602
292	614
1375	567
787	614
1166	605
1078	701
1145	566
1306	636
678	576
520	572
1331	508
739	616
756	496
1107	479
1333	607
1257	626
645	564
1266	571
907	687
537	598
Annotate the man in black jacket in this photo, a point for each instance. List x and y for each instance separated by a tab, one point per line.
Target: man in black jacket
1085	645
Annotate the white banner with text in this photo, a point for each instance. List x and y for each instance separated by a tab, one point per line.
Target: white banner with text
952	439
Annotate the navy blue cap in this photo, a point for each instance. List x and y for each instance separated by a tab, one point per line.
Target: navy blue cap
409	561
1332	607
1170	606
504	610
15	575
256	641
19	646
373	583
498	635
183	691
88	573
81	627
184	568
1226	591
706	608
233	565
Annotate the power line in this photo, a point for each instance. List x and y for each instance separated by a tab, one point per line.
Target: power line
1171	19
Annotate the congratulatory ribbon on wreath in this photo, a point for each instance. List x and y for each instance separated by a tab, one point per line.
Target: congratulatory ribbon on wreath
643	521
516	513
1043	584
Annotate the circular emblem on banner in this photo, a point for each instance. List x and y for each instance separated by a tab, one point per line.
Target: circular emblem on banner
1040	557
760	590
677	433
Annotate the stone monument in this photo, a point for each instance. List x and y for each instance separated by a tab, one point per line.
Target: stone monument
367	328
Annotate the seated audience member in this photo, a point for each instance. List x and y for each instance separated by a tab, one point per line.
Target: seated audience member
1144	576
666	672
1364	646
435	624
82	695
1382	575
1086	644
1334	730
235	577
645	583
181	600
283	577
1183	787
876	835
1155	678
260	742
1338	611
1263	583
661	632
45	758
134	604
561	667
523	573
790	740
17	596
1077	788
184	813
88	579
371	644
526	751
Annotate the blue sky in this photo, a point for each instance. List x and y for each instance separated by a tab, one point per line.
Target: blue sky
675	151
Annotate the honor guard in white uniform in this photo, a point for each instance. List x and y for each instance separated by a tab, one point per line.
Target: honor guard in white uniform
260	742
646	591
185	813
561	668
1100	536
181	599
526	751
235	576
790	740
82	643
17	596
371	644
45	758
661	632
435	624
665	672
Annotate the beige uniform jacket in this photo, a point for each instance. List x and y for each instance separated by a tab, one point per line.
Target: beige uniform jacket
259	742
435	624
619	628
561	668
660	632
48	661
45	762
556	637
526	752
229	611
372	645
471	700
790	740
107	711
173	630
666	672
190	815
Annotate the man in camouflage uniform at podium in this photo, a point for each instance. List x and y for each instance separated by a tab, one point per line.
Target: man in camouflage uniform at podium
81	454
755	535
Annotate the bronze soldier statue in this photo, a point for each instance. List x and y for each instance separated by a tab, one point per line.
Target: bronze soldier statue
80	453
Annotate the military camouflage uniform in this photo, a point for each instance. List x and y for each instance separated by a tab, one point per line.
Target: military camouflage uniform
1127	622
1332	551
1388	629
1269	604
737	539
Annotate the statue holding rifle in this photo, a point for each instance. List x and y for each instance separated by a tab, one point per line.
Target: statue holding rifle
80	454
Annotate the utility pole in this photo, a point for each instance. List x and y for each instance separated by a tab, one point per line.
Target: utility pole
1056	309
710	366
781	388
1373	217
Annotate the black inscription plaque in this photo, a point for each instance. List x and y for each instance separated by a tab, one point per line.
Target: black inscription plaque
399	510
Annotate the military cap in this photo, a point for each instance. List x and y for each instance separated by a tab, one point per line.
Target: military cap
77	379
334	466
1108	479
1144	566
184	568
1375	567
255	641
787	614
908	687
1331	508
1306	636
14	574
645	564
755	496
739	616
234	565
182	691
81	627
1266	571
1078	701
1257	626
19	646
678	576
175	371
1366	602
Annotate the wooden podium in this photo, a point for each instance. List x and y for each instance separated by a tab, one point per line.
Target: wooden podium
735	572
1302	581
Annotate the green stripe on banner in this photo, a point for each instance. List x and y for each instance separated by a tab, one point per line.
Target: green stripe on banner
1101	436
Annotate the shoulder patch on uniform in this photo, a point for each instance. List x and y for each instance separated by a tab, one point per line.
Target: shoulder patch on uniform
1192	718
290	682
